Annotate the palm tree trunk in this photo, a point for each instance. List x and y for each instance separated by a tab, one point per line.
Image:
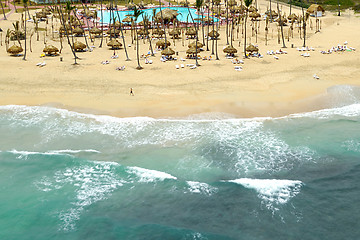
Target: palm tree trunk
208	28
137	50
213	28
87	24
24	58
216	43
102	24
246	14
304	27
2	7
281	26
227	22
122	34
67	34
162	20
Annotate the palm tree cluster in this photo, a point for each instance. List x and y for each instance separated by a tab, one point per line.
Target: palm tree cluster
211	14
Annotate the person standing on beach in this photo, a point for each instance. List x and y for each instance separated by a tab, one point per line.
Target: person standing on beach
131	92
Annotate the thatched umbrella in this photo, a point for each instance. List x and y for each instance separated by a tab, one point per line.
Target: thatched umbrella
214	34
113	32
117	24
79	46
78	31
143	32
159	32
208	20
292	17
252	9
193	44
114	44
167	52
281	19
315	8
50	49
62	29
191	32
254	15
167	14
175	33
161	43
127	20
95	31
40	15
252	48
192	50
240	9
15	49
232	3
230	50
273	13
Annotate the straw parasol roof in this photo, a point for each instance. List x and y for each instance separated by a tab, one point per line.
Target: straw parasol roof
190	32
207	19
143	32
127	20
167	14
113	32
192	50
252	9
50	49
79	46
232	3
175	32
281	19
273	13
114	44
230	49
254	15
292	17
159	32
161	43
15	49
214	34
240	9
117	24
252	48
167	52
40	15
95	31
78	31
315	8
193	44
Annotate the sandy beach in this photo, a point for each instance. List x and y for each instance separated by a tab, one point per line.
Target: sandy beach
265	87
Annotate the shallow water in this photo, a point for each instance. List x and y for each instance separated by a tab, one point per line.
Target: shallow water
66	175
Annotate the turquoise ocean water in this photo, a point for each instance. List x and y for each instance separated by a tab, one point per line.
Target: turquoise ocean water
66	175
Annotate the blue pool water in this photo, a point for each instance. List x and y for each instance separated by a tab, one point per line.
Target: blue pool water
182	17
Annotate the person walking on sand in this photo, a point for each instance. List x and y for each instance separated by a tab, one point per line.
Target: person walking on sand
131	92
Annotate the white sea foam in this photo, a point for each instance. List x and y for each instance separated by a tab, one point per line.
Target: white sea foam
203	188
147	175
66	152
272	191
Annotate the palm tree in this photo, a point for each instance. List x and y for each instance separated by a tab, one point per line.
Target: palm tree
304	24
146	21
137	13
62	20
25	6
69	8
102	23
122	34
208	26
198	4
281	25
2	7
162	21
247	4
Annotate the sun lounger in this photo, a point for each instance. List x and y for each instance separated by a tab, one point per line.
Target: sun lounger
182	65
190	65
316	76
177	66
305	54
122	68
276	57
238	68
105	62
181	59
193	67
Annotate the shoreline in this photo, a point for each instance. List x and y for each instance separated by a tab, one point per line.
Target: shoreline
332	98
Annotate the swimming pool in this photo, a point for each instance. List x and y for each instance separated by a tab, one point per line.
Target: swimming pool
183	14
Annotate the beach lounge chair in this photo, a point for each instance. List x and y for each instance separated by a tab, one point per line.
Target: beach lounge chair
193	67
316	76
182	65
238	68
276	57
177	66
